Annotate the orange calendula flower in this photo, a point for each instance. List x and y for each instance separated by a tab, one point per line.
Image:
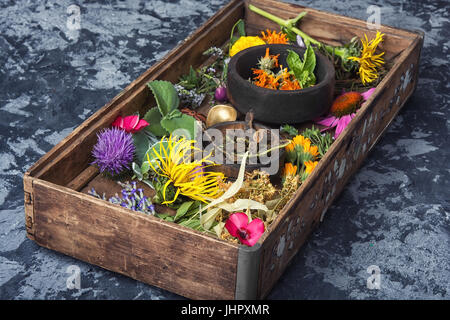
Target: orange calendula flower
310	165
289	169
290	147
273	37
304	144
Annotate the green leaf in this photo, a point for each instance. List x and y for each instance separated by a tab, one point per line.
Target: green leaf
193	224
149	183
233	40
153	117
303	70
137	171
183	209
309	60
290	34
165	95
141	144
182	122
290	130
241	28
145	166
295	64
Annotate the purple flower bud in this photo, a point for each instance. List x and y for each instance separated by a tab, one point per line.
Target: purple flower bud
221	94
300	42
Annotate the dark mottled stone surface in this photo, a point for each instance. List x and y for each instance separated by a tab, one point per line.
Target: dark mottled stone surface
395	213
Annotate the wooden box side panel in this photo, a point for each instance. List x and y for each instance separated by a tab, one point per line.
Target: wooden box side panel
69	158
142	247
344	158
326	27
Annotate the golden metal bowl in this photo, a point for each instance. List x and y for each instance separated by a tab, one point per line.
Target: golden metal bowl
220	113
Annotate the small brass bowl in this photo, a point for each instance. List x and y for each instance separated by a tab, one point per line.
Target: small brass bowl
220	113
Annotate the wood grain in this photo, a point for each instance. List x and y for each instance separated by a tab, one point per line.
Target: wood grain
145	248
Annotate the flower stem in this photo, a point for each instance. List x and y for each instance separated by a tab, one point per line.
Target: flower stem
284	23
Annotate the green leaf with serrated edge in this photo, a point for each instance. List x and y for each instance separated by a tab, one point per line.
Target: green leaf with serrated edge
173	114
153	117
183	122
183	209
165	95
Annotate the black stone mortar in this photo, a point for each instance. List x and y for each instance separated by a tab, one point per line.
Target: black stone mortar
279	106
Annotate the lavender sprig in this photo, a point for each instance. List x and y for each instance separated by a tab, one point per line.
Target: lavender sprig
131	197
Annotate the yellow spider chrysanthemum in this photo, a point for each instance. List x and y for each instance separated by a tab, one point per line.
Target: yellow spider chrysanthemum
186	175
244	43
369	61
309	166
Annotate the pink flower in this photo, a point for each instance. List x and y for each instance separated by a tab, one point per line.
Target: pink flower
343	103
130	124
249	233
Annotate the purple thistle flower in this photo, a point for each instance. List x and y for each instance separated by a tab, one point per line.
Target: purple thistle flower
114	150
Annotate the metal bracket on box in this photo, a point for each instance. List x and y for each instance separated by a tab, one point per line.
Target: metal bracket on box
248	272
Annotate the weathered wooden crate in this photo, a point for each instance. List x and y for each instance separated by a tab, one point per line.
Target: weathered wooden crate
170	256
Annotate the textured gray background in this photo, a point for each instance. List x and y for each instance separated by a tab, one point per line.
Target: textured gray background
395	212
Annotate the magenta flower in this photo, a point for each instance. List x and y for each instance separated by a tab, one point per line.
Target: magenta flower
114	151
343	111
130	124
249	233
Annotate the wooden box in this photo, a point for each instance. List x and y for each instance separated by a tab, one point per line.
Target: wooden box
173	257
